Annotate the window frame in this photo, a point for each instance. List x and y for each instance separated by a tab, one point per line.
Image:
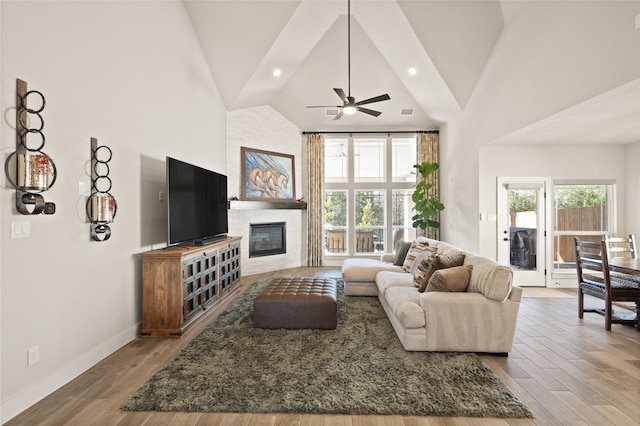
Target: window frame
611	189
387	186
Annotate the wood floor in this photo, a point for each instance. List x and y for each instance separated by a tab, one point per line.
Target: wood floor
568	371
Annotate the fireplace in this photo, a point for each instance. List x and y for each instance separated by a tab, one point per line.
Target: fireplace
267	239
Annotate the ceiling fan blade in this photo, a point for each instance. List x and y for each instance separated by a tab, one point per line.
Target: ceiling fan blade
324	106
369	111
341	93
384	97
339	116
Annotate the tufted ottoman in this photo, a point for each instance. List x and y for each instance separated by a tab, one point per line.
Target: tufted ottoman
297	303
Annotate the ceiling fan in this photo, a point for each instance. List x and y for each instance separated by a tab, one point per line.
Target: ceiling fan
349	104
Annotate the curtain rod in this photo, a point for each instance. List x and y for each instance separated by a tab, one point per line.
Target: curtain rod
336	132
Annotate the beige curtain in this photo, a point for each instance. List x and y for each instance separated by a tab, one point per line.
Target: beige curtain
428	151
315	192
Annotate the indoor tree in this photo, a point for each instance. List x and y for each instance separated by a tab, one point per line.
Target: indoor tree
427	205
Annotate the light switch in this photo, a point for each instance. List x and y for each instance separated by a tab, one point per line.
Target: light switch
20	229
83	187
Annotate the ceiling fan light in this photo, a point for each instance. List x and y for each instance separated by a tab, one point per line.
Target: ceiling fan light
349	109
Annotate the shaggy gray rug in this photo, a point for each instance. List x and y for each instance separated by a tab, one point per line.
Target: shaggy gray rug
359	368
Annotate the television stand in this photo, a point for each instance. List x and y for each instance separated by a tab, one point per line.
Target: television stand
209	240
181	284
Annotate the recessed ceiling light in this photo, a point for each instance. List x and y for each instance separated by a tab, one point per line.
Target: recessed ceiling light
277	72
413	71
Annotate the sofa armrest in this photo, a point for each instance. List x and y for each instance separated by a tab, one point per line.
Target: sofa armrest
388	257
461	320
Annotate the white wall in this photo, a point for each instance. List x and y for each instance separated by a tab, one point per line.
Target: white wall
553	162
550	56
266	129
131	74
632	194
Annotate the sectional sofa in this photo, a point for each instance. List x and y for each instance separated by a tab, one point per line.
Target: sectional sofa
479	316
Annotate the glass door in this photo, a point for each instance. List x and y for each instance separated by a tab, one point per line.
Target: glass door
521	230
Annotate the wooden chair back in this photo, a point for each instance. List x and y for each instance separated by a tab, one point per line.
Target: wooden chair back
592	263
621	246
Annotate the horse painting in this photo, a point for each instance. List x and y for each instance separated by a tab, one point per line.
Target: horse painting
267	175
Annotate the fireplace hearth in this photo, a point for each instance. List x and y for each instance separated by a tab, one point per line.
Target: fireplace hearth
267	239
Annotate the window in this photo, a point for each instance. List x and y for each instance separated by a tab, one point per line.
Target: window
584	210
368	185
335	160
369	160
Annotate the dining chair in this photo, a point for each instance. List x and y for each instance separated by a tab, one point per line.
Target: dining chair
595	279
621	246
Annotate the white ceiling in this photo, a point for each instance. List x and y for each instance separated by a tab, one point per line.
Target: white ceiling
244	41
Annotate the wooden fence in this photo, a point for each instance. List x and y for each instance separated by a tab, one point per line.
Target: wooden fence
583	219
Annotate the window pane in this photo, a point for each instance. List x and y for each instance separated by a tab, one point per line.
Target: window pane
582	211
401	207
403	159
335	208
369	240
335	160
581	208
565	252
401	213
369	208
369	160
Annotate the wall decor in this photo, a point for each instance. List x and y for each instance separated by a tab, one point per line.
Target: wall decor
267	175
29	169
101	205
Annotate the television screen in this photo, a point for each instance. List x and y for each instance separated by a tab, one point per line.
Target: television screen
196	203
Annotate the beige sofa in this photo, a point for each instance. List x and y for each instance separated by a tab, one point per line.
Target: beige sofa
481	319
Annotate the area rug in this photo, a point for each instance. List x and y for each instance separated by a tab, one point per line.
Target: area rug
359	368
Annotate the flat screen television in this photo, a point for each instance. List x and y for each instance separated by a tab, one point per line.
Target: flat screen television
196	204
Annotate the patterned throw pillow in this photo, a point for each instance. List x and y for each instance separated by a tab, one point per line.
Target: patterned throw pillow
440	262
412	253
421	269
454	279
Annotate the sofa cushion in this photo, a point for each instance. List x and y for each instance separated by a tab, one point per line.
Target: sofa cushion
441	261
414	250
489	278
404	302
454	279
403	249
365	270
388	279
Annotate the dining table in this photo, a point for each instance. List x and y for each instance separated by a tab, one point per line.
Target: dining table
625	265
629	266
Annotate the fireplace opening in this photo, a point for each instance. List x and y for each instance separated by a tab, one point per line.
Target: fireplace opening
267	239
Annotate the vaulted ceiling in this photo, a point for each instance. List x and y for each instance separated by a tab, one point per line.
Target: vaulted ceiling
447	43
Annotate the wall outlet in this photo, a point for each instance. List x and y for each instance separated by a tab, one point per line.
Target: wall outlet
33	355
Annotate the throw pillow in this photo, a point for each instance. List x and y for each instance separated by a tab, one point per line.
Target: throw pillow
440	262
454	279
421	264
403	248
412	253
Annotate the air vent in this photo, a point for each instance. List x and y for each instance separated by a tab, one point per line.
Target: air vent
407	111
332	112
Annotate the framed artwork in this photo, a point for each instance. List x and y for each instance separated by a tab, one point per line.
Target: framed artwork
267	175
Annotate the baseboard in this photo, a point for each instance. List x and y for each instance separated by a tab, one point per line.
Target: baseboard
25	399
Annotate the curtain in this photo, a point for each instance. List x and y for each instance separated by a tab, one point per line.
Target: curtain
428	151
315	192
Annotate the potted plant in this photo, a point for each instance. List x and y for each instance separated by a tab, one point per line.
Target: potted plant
427	205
